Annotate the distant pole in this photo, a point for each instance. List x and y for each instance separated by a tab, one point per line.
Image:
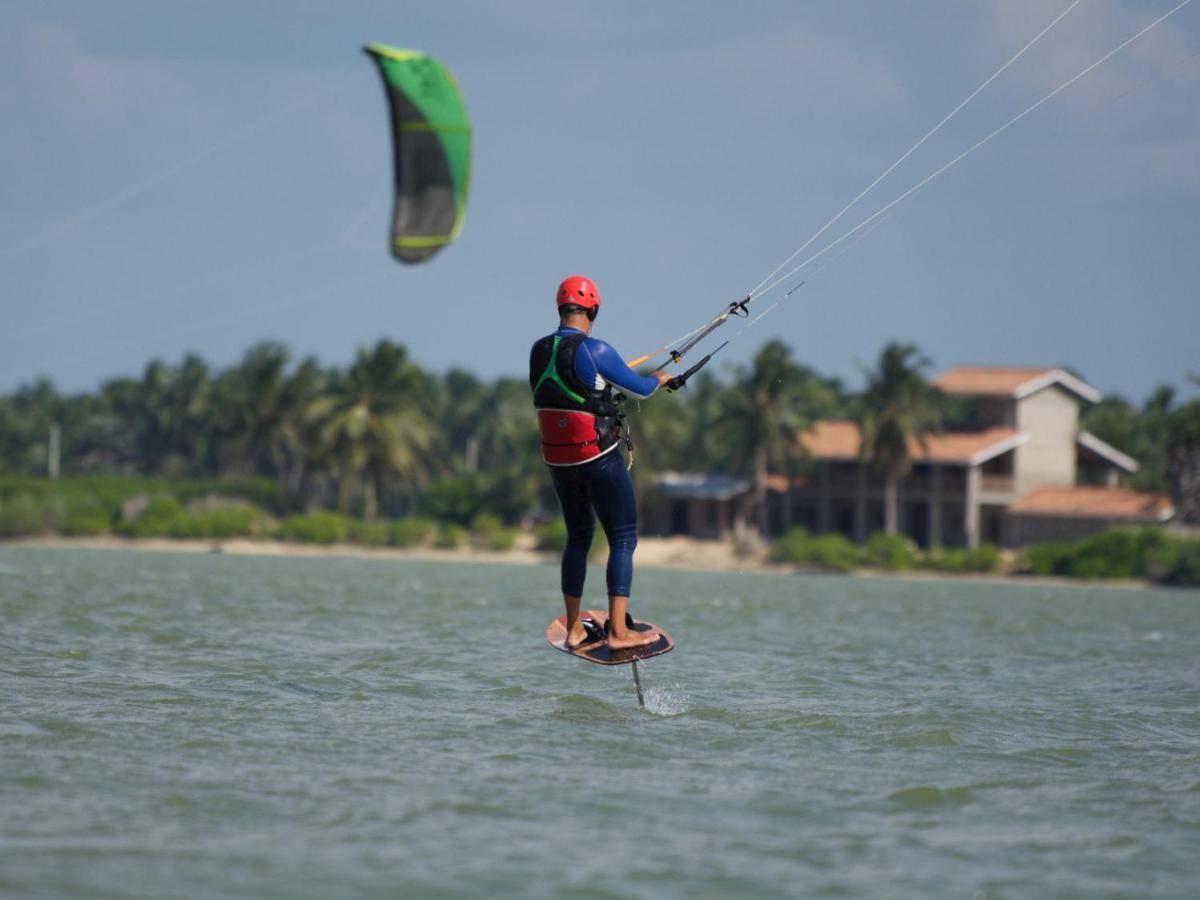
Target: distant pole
472	456
54	451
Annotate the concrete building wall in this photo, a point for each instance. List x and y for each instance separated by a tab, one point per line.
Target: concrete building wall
1050	418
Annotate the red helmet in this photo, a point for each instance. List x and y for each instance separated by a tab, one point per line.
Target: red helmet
580	291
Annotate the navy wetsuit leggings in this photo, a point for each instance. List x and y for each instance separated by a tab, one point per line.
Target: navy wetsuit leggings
604	486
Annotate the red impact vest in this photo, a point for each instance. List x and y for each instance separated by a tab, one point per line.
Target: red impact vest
577	422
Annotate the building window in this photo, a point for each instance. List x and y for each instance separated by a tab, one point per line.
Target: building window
679	517
843	519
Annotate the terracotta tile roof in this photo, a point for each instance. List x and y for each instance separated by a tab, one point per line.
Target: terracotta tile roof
832	439
777	483
1010	381
1001	381
841	439
1088	502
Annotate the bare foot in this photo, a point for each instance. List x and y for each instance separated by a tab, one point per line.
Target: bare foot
583	634
631	638
577	638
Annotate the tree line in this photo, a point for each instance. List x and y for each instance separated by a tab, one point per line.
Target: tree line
384	437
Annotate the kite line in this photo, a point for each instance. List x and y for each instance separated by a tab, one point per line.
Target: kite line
771	282
329	86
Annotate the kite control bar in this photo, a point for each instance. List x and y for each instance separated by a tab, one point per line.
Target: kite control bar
737	308
681	379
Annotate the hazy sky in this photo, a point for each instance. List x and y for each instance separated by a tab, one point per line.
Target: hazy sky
198	177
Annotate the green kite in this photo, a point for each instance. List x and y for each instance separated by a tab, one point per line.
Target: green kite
431	136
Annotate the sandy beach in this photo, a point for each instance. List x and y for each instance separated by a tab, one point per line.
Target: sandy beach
672	553
664	553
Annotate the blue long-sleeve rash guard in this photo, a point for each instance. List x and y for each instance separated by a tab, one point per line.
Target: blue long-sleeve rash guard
598	364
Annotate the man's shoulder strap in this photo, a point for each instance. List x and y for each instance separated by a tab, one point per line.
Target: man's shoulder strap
559	345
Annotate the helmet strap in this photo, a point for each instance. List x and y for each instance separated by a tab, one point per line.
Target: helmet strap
574	309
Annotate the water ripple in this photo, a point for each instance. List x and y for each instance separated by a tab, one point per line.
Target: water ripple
211	725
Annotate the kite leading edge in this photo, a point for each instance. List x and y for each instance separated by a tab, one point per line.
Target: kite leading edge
431	138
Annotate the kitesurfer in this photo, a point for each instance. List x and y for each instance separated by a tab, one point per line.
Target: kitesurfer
573	377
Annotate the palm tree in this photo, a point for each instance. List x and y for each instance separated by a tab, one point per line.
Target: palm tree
34	410
11	442
514	478
153	414
263	410
1156	418
505	428
463	401
1183	457
109	434
662	427
189	425
768	405
170	412
899	408
373	428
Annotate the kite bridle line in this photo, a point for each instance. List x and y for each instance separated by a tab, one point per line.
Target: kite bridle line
740	308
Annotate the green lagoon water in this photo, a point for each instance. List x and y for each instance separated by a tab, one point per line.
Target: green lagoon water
211	726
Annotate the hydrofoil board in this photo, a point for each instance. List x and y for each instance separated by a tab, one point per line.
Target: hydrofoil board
595	649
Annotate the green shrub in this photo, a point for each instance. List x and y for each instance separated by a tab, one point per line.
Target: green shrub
791	547
1121	553
411	531
455	499
370	534
503	540
984	558
160	516
552	537
189	525
483	527
511	490
1048	559
164	517
450	536
832	552
83	523
893	552
86	515
950	559
259	492
24	515
1094	567
1182	558
1115	554
489	533
320	527
107	493
240	520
